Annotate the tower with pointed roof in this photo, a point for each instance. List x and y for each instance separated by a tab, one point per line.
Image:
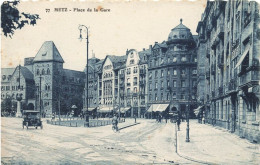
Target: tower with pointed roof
48	67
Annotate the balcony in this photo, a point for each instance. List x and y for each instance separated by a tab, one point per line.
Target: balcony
207	75
232	85
220	61
142	82
142	71
250	78
247	19
212	94
122	85
213	69
220	31
121	75
220	91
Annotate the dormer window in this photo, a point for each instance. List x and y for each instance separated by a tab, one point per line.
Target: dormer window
132	61
4	77
44	54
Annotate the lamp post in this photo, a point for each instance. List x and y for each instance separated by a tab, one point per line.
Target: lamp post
19	96
80	37
188	112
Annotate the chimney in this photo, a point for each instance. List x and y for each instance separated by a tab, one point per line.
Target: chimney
126	52
143	49
150	47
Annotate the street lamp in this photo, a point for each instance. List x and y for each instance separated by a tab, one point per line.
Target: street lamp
80	37
19	95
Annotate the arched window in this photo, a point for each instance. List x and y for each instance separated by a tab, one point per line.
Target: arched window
38	72
48	71
43	72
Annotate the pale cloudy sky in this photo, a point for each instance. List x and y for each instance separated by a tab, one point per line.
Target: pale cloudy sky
128	25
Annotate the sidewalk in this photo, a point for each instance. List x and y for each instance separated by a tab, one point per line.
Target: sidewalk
213	145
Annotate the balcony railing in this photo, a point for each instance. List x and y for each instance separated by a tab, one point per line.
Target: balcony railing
232	85
220	91
207	75
212	94
220	31
212	69
142	71
220	61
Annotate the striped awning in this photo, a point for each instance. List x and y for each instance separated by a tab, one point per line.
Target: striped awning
158	107
124	109
105	109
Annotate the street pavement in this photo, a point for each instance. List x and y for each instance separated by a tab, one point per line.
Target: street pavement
214	145
146	143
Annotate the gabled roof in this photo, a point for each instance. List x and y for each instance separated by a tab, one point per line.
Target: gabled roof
27	74
5	72
48	52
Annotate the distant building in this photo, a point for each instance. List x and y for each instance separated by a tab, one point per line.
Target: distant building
229	36
44	84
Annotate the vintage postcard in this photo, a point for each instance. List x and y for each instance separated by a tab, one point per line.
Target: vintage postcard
130	82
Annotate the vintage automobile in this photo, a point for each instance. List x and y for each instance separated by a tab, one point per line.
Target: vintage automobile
32	118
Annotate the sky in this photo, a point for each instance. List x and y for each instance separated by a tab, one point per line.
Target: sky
128	25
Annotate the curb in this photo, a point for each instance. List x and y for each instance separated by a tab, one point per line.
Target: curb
190	158
128	126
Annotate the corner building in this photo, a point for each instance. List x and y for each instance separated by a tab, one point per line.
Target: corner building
172	72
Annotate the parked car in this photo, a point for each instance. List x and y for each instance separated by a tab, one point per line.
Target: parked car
32	119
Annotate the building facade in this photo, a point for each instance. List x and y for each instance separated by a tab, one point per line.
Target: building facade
172	69
44	84
229	31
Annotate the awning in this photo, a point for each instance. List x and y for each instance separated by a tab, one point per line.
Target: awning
157	107
242	57
123	109
89	109
197	110
105	109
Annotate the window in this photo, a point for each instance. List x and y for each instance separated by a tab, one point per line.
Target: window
155	98
48	71
168	83
174	83
2	88
183	71
156	85
150	75
150	86
43	72
132	61
183	59
194	71
128	71
135	80
174	72
161	73
150	97
195	59
7	88
168	73
162	84
174	59
4	77
135	89
161	96
156	74
168	96
183	83
135	69
182	96
38	72
174	95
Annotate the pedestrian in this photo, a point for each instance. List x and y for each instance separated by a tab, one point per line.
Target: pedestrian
203	119
135	118
178	123
160	118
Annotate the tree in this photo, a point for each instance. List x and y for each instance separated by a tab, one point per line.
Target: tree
12	19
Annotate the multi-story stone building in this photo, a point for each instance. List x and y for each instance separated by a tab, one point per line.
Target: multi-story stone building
230	32
132	83
172	68
44	84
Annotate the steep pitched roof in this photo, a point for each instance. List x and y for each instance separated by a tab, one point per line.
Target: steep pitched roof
48	52
27	74
6	74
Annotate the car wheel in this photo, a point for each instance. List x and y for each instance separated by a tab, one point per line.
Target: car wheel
27	125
